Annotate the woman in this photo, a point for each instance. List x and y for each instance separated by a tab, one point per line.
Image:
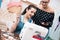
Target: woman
26	17
44	15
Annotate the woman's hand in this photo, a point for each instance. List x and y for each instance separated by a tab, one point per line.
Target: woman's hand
45	23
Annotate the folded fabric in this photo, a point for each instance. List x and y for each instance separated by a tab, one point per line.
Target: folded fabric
11	4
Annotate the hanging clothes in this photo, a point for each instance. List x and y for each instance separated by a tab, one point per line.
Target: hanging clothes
0	2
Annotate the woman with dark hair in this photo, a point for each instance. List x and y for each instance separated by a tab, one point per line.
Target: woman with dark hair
44	15
29	7
26	17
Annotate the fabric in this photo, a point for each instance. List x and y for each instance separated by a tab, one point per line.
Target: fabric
21	24
0	2
54	34
14	4
42	16
9	19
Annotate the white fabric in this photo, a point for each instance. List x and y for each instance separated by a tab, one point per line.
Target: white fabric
55	35
8	18
11	19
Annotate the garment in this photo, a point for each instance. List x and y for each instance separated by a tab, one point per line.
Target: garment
9	19
0	2
21	24
42	16
54	31
56	34
14	4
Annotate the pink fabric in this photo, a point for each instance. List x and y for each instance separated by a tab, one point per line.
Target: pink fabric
14	4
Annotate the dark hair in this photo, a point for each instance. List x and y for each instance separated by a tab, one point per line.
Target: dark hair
59	18
29	7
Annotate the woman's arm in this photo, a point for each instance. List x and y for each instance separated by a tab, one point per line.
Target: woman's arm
28	3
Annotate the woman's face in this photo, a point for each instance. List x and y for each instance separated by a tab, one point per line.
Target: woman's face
30	12
45	3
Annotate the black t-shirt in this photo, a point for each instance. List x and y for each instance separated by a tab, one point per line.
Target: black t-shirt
42	16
